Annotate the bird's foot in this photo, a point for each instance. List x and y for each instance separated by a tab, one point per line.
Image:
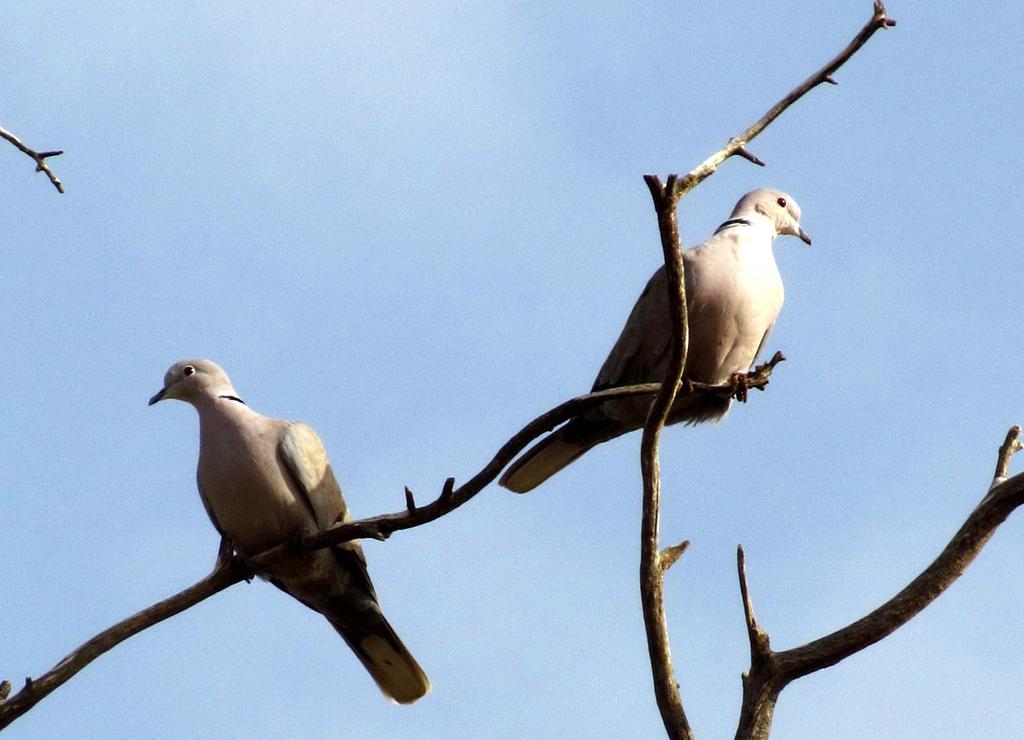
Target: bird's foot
739	385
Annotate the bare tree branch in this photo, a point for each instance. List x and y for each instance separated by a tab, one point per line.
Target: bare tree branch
230	570
758	704
666	200
757	636
223	575
39	157
736	146
771	672
672	553
1007	449
652	568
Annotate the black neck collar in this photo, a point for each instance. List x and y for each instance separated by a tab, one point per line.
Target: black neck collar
232	398
733	222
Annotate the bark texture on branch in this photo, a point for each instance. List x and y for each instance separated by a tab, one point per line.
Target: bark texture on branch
652	565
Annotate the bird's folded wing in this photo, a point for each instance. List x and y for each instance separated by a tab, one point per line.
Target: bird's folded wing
640	351
306	459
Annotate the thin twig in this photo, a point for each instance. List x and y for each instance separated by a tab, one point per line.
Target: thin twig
736	146
758	637
671	554
1007	449
233	568
38	157
742	152
758	696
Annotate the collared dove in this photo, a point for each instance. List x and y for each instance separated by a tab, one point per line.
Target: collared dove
733	294
264	481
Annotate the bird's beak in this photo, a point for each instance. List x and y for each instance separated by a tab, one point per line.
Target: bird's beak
804	237
158	397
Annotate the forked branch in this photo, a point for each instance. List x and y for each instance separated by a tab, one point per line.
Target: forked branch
38	157
772	671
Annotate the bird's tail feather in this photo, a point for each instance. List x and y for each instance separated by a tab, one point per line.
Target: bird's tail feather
380	650
556	451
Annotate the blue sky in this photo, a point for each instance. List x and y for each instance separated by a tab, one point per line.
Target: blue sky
418	227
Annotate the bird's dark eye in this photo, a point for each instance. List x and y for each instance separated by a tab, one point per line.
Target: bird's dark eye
188	370
781	202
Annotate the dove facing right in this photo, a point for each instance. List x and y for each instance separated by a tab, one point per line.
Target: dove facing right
733	294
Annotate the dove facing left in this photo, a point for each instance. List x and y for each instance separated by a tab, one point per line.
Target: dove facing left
264	481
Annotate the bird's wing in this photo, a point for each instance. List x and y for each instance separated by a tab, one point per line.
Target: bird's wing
640	350
306	460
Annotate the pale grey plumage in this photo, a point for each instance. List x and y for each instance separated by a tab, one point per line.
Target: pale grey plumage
734	294
264	481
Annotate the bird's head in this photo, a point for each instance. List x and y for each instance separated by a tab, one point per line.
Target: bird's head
778	207
193	380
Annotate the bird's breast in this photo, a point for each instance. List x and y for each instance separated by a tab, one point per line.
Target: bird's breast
246	490
733	301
